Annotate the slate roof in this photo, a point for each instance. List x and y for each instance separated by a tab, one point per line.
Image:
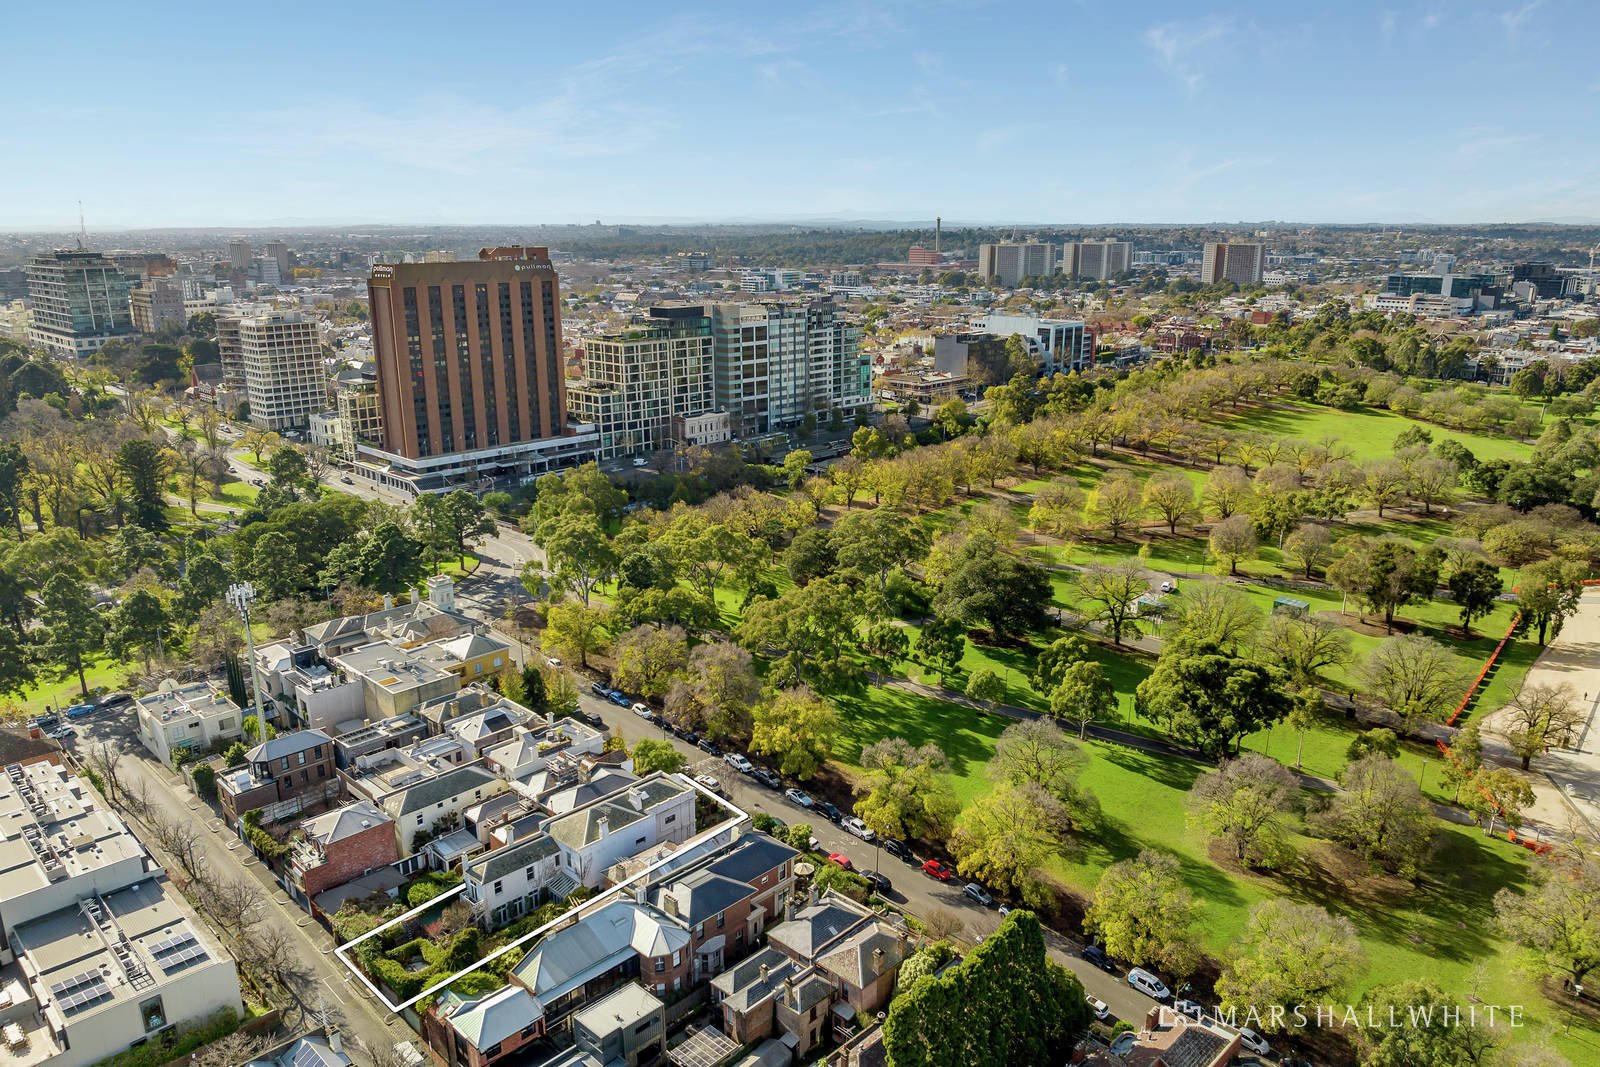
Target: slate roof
344	822
814	928
742	986
855	960
753	856
490	1019
451	783
701	895
513	857
1195	1047
287	745
595	944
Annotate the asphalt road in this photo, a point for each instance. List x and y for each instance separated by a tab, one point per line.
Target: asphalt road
320	982
910	889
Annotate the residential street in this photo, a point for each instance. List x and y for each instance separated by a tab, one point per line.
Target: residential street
911	890
320	982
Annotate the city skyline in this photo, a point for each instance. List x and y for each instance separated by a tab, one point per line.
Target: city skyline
1164	115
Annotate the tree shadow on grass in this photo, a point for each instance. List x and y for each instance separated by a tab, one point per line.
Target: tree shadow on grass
965	735
1170	771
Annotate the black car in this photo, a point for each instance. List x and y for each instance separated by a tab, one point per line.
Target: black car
878	882
710	746
898	849
767	778
1097	956
115	700
827	811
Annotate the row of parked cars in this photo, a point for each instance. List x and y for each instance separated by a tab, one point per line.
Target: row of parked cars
1154	988
59	727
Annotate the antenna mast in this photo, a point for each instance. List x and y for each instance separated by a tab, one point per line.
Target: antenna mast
83	230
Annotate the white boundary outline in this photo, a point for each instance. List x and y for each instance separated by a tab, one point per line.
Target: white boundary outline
732	823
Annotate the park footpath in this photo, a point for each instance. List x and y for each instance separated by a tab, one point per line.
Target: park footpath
1569	794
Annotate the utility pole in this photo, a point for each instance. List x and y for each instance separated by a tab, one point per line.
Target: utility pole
240	594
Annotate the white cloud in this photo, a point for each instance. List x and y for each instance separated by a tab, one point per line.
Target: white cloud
1514	19
1179	48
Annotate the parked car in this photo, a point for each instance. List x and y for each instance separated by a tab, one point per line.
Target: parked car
1190	1008
976	893
1096	955
554	661
878	882
62	733
897	848
1254	1042
798	796
738	763
599	690
115	700
709	746
935	869
619	698
79	711
641	710
1148	984
47	722
711	784
768	778
827	811
853	825
1101	1009
839	859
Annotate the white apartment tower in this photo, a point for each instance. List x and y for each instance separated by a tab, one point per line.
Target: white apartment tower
277	357
637	380
777	362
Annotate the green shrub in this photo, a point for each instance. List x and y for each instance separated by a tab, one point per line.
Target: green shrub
350	922
205	782
180	1043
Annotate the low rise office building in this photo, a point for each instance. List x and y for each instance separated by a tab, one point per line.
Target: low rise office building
194	717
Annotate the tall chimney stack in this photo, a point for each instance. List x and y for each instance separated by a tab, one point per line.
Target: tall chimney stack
938	228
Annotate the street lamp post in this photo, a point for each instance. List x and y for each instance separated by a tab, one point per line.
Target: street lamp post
240	594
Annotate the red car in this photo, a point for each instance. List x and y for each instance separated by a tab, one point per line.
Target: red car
839	859
935	869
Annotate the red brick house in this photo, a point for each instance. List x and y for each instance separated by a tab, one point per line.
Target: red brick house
340	845
281	777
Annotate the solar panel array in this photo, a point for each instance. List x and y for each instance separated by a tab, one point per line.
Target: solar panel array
308	1055
80	991
176	953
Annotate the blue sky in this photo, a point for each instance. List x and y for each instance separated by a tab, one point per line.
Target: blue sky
163	114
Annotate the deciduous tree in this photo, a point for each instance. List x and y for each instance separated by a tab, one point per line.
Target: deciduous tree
1415	677
1558	917
1290	954
1112	594
907	792
1540	716
1145	914
1310	546
1380	815
1083	695
1242	803
796	727
575	630
1233	540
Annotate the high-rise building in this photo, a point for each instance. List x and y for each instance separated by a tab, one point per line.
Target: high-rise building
775	362
280	255
1098	259
280	358
79	301
469	368
1008	262
1227	261
636	381
264	271
156	303
239	255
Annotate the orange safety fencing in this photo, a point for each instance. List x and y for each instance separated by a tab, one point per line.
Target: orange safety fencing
1538	847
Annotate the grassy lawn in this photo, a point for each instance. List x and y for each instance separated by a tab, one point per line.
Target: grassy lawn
1368	431
58	694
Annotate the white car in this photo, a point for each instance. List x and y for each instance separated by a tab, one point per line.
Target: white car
1254	1042
1148	984
641	710
554	661
1101	1009
711	784
853	825
738	763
